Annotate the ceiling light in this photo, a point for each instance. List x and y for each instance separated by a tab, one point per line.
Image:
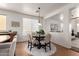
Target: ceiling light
38	11
61	17
39	24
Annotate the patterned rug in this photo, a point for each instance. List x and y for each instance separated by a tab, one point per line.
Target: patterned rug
41	52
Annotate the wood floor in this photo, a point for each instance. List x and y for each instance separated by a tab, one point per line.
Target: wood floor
61	51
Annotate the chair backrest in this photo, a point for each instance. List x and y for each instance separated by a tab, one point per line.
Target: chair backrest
47	37
29	37
12	47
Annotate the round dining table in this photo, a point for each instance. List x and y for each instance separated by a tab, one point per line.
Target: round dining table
39	38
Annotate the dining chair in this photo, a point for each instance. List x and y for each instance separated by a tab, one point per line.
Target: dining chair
31	41
47	41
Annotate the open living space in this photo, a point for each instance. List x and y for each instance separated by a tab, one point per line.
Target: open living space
39	29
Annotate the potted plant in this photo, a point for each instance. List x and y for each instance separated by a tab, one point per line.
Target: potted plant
41	31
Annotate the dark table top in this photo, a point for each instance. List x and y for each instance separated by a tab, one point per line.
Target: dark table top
39	36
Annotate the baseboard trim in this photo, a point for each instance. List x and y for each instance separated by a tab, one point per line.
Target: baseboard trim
60	45
75	49
22	41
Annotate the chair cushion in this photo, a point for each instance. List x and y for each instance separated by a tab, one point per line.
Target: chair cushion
43	42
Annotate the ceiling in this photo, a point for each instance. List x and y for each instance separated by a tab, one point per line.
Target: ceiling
55	17
30	8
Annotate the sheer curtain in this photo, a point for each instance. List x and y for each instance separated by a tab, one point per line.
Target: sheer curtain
29	25
2	23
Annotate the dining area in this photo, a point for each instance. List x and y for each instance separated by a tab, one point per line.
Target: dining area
40	44
39	41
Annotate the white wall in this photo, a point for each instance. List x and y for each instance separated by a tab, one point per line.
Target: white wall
11	18
61	38
47	22
67	34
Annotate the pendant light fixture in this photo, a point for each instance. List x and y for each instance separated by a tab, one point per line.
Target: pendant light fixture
38	11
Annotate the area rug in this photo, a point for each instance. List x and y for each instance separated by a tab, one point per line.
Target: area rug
41	52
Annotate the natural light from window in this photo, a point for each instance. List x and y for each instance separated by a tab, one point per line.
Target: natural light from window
77	27
2	23
29	25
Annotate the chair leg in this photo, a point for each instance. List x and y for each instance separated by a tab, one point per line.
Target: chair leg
14	54
49	45
31	47
45	48
28	44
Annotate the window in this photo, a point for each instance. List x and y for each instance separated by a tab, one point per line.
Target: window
77	27
29	25
2	23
